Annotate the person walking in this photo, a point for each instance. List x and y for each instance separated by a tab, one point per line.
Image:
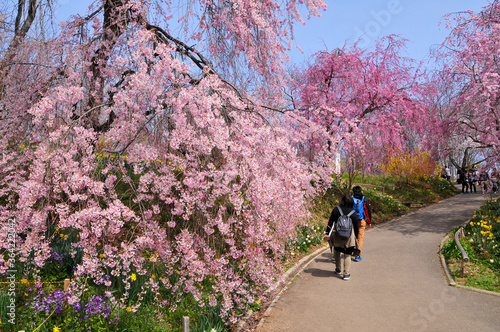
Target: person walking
471	179
459	176
362	206
448	173
464	181
484	181
348	246
494	180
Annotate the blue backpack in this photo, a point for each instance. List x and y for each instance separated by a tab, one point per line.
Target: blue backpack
359	206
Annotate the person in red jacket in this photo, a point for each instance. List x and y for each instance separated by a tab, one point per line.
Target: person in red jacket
361	206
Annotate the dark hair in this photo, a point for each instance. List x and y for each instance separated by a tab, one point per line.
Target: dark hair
356	189
347	201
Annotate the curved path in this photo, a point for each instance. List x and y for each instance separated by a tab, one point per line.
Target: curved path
399	286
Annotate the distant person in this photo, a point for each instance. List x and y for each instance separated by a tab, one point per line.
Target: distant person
464	181
484	181
471	179
346	246
494	180
361	206
459	176
448	173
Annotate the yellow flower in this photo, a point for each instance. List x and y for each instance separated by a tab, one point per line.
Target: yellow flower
57	228
61	235
128	309
153	276
66	236
56	329
133	277
24	281
101	255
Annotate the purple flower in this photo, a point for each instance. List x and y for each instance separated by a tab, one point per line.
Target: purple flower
45	302
57	257
97	305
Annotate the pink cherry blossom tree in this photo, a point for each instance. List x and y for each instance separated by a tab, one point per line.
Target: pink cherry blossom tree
470	70
369	102
142	146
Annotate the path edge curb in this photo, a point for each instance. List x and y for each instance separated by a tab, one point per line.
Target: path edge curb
286	279
452	281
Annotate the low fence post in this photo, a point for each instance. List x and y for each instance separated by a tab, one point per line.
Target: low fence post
185	324
465	258
66	284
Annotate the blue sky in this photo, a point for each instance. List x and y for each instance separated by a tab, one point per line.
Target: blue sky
347	20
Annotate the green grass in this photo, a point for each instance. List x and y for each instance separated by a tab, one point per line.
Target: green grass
480	272
475	275
486	280
388	197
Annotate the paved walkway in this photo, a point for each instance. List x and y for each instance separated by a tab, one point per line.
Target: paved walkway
399	286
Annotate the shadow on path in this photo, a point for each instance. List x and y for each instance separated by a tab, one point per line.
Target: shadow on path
399	285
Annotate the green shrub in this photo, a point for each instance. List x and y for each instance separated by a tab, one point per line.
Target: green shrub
450	249
483	233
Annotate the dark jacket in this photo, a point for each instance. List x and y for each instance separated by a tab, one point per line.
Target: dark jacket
368	208
483	176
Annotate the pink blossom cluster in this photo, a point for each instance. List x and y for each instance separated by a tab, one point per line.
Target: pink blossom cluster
369	103
466	115
122	140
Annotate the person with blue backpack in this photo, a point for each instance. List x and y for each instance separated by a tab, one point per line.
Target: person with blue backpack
364	211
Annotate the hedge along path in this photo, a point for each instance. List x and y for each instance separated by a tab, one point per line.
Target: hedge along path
399	286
